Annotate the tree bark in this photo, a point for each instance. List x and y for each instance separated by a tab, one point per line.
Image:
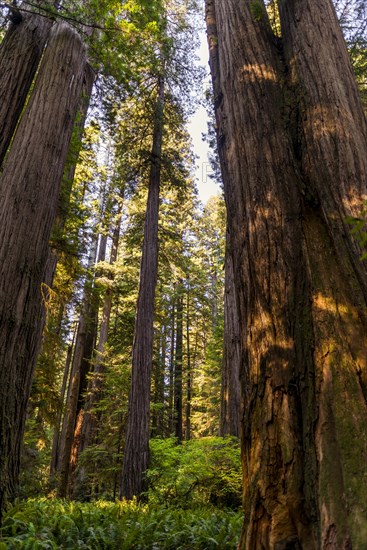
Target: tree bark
68	176
292	142
29	189
230	414
20	54
332	140
136	456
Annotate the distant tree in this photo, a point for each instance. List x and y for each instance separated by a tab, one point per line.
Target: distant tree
166	69
230	413
136	454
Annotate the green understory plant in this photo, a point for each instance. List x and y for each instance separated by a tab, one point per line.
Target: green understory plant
197	472
57	524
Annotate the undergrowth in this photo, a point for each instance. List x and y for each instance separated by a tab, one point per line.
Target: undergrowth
56	524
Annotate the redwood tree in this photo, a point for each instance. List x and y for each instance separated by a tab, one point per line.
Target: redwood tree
292	141
136	456
29	188
20	54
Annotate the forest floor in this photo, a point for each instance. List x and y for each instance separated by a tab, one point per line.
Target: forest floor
57	524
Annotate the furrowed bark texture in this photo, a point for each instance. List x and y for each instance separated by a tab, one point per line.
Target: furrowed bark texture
136	456
332	137
20	54
68	176
29	189
292	142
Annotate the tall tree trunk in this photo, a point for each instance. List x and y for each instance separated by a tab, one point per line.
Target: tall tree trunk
84	345
178	405
136	457
159	385
20	54
87	425
69	173
230	413
292	141
331	148
56	436
29	191
82	363
188	371
171	369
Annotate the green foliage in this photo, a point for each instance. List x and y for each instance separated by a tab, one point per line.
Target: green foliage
359	230
197	472
54	524
352	17
257	10
206	399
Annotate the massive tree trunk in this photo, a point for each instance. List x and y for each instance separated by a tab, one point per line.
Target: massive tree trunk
230	413
68	176
20	54
136	456
292	143
29	189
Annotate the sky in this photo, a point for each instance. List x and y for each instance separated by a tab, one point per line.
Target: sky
197	126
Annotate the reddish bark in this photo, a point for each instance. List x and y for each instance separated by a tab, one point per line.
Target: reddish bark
29	189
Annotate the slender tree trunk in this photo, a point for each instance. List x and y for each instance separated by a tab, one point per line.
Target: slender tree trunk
159	373
84	345
292	142
29	191
56	437
82	366
20	54
171	369
188	371
178	405
136	457
90	421
230	413
87	425
214	297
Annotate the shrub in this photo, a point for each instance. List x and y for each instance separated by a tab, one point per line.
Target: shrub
196	472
